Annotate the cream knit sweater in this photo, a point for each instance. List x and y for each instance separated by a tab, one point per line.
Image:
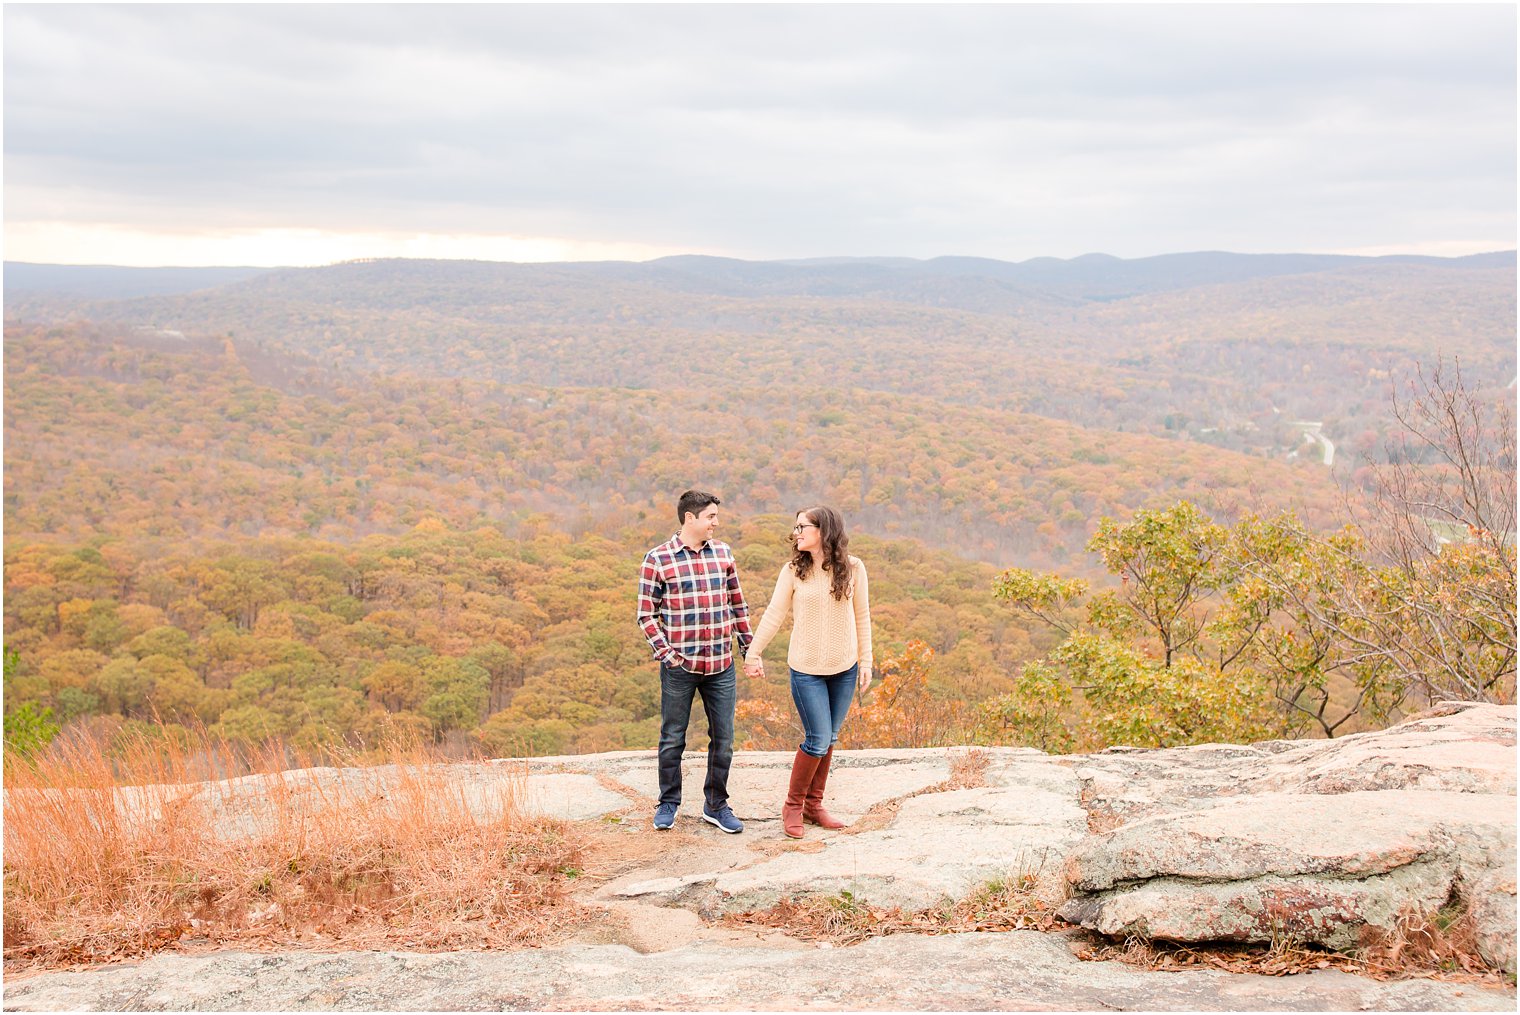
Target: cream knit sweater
828	636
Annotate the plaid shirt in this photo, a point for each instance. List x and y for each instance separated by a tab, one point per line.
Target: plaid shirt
690	605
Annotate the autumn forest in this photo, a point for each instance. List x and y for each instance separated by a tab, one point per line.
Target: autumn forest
1102	501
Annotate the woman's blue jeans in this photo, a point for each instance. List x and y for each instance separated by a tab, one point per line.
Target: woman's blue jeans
823	702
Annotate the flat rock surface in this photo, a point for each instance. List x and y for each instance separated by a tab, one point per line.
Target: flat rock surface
937	844
1322	841
1212	837
1018	971
1353	834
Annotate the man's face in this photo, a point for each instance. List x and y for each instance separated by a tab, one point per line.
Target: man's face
706	523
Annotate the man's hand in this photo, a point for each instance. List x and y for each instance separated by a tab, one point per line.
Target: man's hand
754	670
863	682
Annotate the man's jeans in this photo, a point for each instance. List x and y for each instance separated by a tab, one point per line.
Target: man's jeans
719	691
823	702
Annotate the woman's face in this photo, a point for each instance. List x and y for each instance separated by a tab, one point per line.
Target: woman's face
805	533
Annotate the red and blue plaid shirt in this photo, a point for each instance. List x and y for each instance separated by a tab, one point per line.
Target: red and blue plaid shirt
690	605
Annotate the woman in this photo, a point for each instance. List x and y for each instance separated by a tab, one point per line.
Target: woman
825	590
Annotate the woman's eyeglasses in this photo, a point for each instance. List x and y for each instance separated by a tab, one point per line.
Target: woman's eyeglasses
797	529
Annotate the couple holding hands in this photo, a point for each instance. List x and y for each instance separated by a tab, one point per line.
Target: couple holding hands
690	607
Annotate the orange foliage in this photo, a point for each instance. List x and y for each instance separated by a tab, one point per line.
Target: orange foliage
99	444
767	726
902	709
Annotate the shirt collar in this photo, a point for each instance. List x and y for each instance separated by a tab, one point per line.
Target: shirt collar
678	545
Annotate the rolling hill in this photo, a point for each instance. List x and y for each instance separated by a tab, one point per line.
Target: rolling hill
327	502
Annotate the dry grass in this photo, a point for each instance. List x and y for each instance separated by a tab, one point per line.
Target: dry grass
1445	941
1000	905
1438	946
841	919
113	853
968	770
1276	959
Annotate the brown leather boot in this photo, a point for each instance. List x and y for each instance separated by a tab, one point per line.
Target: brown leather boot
812	807
803	767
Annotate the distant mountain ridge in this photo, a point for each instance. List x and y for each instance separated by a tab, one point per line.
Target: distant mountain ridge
1085	278
1215	347
106	281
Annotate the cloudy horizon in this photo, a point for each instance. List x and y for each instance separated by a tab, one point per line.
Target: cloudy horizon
308	134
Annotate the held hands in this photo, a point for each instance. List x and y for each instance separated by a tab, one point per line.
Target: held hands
754	670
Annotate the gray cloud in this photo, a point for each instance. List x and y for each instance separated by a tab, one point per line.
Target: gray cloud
772	131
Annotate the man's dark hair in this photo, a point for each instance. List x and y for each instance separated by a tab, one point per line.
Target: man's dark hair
693	502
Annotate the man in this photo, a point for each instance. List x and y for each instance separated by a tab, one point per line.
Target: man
690	608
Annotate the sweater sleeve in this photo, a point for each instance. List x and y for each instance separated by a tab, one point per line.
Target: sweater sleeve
862	600
775	614
739	608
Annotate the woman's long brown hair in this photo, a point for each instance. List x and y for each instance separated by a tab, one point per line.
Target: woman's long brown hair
835	551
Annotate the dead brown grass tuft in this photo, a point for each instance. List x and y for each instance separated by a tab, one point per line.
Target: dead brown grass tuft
111	853
1445	941
840	918
1277	959
1442	945
968	770
1000	905
879	816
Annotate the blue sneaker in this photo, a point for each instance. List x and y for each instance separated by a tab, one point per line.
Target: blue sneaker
724	819
664	816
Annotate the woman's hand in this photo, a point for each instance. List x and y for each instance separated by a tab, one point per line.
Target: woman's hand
754	670
863	681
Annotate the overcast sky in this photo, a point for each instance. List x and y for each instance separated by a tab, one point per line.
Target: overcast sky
288	134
